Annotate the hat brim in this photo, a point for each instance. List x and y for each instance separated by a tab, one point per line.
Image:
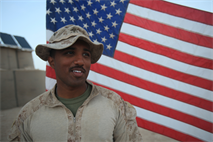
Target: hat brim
43	50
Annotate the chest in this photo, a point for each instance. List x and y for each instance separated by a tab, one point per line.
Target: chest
94	122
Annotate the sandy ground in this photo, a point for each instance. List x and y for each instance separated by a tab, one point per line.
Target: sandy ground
8	116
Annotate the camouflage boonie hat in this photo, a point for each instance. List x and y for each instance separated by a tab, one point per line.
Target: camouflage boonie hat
64	38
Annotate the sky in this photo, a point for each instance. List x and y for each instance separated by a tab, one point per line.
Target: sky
26	18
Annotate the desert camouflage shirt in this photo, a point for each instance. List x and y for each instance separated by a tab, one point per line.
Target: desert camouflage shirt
104	116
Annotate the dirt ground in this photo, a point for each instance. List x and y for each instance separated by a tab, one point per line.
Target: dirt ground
8	116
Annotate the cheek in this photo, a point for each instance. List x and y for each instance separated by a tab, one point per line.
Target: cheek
88	64
62	65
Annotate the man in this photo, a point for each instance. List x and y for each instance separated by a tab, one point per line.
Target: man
74	109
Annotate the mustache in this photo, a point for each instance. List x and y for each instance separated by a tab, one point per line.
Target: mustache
77	67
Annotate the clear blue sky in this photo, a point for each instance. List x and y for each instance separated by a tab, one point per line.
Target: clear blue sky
26	18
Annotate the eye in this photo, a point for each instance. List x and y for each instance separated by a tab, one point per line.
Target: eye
86	54
69	53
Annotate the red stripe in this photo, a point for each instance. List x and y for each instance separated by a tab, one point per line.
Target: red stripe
169	30
149	105
157	128
50	72
162	90
176	10
197	122
186	78
168	52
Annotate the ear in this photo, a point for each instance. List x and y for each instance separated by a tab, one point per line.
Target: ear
51	62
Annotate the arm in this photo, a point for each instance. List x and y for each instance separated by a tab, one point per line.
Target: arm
14	134
20	127
126	128
17	133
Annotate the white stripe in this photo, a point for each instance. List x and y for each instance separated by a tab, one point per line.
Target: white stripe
49	33
167	41
150	96
170	20
174	124
47	63
164	61
156	78
49	82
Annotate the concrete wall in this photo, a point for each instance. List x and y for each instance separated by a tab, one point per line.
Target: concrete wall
15	59
25	59
29	84
20	86
8	97
8	58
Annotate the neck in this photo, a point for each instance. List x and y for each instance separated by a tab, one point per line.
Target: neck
69	92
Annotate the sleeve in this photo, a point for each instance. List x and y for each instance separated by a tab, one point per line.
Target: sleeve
126	128
14	134
19	133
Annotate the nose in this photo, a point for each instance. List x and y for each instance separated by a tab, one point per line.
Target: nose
79	60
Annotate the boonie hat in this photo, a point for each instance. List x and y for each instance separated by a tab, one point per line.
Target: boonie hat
64	38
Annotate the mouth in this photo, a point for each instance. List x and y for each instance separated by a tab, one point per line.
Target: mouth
78	72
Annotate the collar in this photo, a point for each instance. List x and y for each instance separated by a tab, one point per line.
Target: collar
52	101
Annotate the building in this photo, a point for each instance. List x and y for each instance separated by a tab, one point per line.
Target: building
20	81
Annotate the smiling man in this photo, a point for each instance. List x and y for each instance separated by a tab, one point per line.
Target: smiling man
74	109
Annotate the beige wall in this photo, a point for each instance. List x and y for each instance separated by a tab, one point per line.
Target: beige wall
14	59
8	97
8	58
20	82
25	59
29	84
20	86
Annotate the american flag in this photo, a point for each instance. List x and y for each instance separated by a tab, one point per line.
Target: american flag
157	55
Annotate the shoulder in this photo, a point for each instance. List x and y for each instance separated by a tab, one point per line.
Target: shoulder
26	111
125	107
32	106
109	94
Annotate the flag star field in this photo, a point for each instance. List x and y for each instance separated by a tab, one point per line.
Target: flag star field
101	19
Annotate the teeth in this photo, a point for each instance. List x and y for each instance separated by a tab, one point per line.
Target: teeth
76	71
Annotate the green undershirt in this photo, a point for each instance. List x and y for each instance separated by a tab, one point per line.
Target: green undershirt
74	103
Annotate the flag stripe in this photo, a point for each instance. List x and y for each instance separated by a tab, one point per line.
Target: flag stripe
173	94
158	79
207	126
154	117
164	61
107	72
150	96
49	83
158	89
159	119
176	10
166	41
165	131
50	72
146	65
164	51
168	30
167	19
174	124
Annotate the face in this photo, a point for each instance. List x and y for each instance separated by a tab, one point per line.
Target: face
72	64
